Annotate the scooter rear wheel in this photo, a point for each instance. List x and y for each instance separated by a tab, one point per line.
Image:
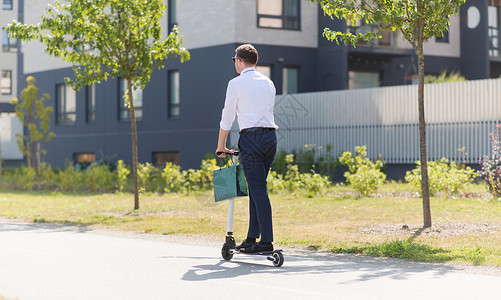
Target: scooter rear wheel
225	252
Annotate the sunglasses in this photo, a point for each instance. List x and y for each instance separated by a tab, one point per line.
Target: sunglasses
235	58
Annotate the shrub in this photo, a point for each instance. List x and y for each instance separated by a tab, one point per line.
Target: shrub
201	179
314	183
26	178
442	176
48	177
122	174
100	178
292	174
174	180
491	166
307	160
275	181
144	172
444	77
72	179
293	180
364	175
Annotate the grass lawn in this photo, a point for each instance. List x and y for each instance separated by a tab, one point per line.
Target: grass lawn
466	230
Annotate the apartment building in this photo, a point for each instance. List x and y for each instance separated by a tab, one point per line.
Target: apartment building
8	55
179	110
9	70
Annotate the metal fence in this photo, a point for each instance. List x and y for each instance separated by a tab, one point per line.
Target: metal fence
459	118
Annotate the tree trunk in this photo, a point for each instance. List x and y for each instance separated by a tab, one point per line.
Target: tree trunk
425	189
134	144
28	154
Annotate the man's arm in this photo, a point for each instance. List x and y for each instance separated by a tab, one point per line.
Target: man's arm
227	118
221	143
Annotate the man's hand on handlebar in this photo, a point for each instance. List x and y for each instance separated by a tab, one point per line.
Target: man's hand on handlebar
225	151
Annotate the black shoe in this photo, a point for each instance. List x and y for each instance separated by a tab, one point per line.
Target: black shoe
257	248
244	245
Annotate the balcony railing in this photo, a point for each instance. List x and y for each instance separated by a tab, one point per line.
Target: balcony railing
386	41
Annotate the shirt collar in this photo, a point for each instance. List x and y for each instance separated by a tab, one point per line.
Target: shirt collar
249	69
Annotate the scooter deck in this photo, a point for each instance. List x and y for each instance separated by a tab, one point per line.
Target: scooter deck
235	251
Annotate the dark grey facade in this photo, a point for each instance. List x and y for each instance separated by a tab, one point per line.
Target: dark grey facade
203	82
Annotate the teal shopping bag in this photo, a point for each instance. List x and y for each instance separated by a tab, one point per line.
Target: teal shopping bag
229	182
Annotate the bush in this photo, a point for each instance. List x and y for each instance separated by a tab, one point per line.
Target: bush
314	183
122	175
442	176
294	180
48	177
491	166
364	175
72	180
100	178
201	179
173	179
308	160
444	77
292	174
144	172
275	181
25	178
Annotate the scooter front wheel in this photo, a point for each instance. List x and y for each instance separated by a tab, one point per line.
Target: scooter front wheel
225	252
278	258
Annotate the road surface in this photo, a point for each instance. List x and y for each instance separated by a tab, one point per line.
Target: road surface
47	261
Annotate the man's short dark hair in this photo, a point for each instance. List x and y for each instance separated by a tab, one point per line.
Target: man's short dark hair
247	53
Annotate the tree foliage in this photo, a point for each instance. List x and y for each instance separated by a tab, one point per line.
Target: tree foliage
107	38
417	20
35	117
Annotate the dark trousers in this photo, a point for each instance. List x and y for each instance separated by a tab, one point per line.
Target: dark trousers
257	151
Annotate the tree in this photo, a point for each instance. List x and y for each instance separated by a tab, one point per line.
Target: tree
34	116
107	38
418	21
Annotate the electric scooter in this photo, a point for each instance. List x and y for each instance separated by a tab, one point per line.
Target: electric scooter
229	246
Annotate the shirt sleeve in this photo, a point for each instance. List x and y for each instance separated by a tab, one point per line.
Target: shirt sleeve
230	106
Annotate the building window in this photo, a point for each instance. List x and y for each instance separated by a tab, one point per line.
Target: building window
493	27
161	158
6	84
8	44
65	104
265	70
81	158
137	95
90	99
362	80
174	94
282	14
290	83
444	38
172	14
7	5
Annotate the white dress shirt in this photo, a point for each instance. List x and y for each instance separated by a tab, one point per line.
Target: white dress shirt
251	97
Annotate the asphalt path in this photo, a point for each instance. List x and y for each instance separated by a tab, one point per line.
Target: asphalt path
47	261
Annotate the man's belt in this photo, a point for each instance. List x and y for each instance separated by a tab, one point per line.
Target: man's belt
254	129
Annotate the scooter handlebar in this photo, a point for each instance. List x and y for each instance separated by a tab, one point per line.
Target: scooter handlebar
234	153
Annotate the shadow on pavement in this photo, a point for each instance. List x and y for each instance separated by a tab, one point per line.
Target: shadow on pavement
369	268
24	226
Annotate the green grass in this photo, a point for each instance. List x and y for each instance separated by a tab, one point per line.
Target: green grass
333	221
